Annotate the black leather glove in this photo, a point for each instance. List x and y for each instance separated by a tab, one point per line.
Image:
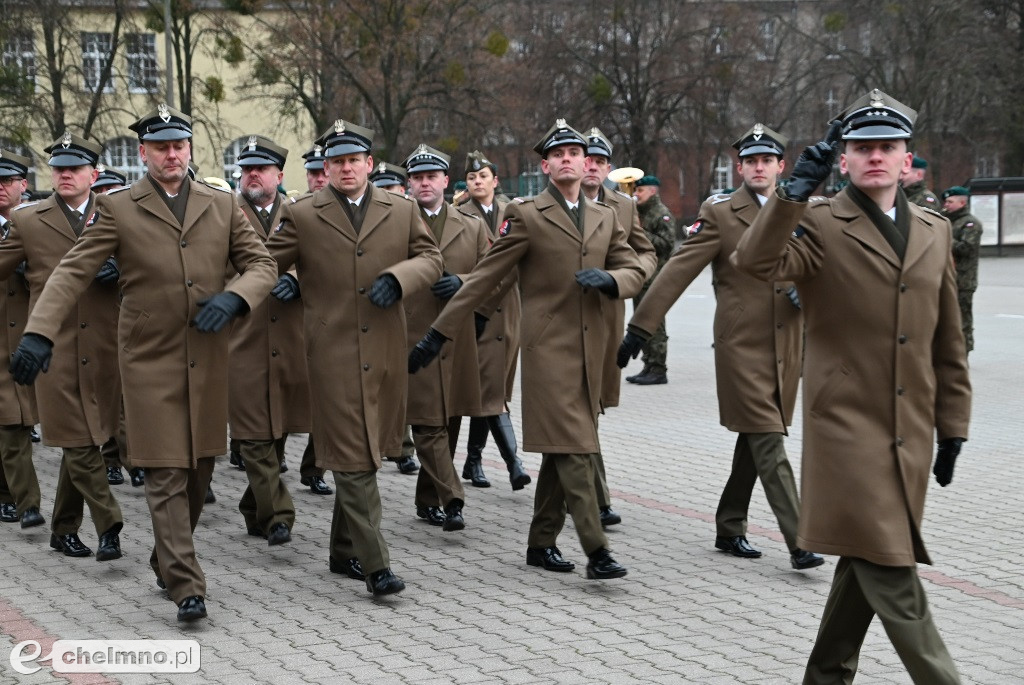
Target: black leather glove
287	288
600	279
425	350
216	311
385	291
32	356
814	165
629	348
21	268
480	322
108	273
945	460
446	286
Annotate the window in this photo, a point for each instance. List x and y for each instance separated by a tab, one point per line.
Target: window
531	181
143	73
721	173
19	62
95	56
123	154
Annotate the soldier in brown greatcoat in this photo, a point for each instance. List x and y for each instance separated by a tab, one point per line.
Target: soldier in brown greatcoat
357	251
79	399
19	486
174	240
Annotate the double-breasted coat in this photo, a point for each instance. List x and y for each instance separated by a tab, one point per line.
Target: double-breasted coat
758	331
452	386
498	347
80	396
17	402
885	373
564	326
627	214
175	378
268	379
357	352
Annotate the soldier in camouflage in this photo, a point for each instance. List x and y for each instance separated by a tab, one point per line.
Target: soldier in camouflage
966	246
658	223
914	187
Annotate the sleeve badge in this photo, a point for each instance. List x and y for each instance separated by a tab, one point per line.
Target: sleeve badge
503	229
697	227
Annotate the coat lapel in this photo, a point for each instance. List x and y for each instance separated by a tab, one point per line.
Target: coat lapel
330	211
592	219
554	213
53	216
744	205
452	227
199	199
861	229
377	211
921	236
148	199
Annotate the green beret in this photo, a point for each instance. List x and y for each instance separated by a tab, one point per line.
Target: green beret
955	190
919	163
648	181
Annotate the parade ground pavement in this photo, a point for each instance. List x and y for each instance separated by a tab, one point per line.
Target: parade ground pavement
474	612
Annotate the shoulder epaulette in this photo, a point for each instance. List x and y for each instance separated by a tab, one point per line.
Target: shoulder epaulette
522	200
117	190
23	205
720	197
933	211
217	188
816	199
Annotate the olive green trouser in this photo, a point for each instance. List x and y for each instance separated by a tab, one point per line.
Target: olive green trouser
355	528
566	483
437	483
18	481
82	480
266	500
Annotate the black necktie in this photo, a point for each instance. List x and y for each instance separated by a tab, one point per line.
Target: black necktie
265	215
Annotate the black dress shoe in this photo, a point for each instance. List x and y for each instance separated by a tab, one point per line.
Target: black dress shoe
210	497
34	435
407	465
284	466
384	582
433	515
316	485
549	558
138	477
70	545
609	517
651	379
350	567
9	512
110	544
32	518
802	559
237	461
255	531
192	609
453	516
160	583
114	475
602	567
737	546
279	534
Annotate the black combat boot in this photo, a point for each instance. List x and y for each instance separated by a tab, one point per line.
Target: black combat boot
505	439
474	469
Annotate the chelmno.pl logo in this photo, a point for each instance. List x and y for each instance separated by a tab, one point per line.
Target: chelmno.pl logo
109	656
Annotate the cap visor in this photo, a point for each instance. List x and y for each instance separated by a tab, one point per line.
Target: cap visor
257	159
65	159
345	149
877	133
760	150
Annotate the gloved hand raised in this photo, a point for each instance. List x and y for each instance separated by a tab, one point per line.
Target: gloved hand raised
945	460
446	286
385	291
108	273
217	310
32	356
629	348
600	279
814	164
425	350
287	288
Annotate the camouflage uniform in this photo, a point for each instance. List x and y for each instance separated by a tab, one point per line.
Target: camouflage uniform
658	224
919	194
966	243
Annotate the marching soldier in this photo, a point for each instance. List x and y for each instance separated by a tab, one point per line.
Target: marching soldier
174	239
758	343
914	187
659	225
885	372
497	346
316	177
19	486
357	251
79	399
454	381
571	253
966	250
109	179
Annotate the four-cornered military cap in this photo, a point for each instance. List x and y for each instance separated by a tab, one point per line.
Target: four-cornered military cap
761	140
648	181
71	150
955	190
260	151
162	124
343	138
475	161
385	175
559	134
13	165
426	158
919	163
876	116
314	158
109	177
598	143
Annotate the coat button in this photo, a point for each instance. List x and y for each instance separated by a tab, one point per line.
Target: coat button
366	367
501	337
273	353
778	290
84	361
902	339
359	252
364	328
498	309
84	325
273	319
584	252
192	363
899	390
585	328
903	287
899	442
362	290
778	325
12	324
10	293
183	243
189	283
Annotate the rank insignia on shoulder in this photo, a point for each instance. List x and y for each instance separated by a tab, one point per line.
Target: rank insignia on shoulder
519	200
23	205
799	232
117	190
505	225
721	197
817	198
695	229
